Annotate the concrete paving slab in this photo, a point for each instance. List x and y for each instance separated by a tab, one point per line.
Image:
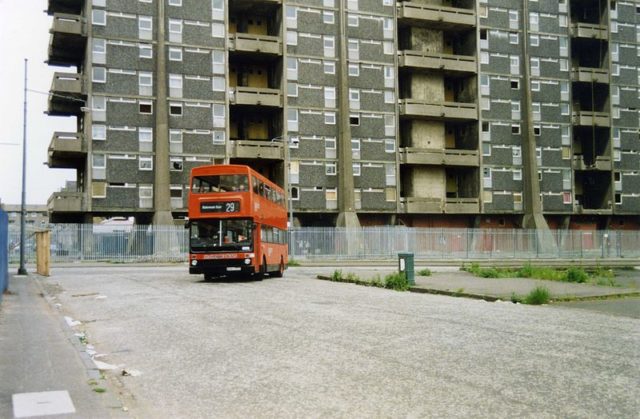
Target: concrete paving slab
44	403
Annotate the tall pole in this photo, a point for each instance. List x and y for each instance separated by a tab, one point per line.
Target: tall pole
287	157
23	210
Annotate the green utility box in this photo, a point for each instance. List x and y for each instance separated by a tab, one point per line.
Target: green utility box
405	266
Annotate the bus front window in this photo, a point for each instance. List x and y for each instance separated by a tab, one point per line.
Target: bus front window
220	183
218	235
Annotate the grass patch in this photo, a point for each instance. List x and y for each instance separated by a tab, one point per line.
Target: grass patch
424	272
598	276
100	389
537	296
395	281
293	263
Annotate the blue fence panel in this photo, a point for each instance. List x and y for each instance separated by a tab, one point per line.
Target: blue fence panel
4	252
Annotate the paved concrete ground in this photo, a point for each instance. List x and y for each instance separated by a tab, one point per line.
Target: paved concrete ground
298	347
37	355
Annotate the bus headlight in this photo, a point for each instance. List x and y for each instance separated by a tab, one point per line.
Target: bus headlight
247	261
194	262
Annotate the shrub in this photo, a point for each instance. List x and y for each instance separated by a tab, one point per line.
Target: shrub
537	296
526	271
424	272
576	275
337	275
515	298
489	273
396	281
293	262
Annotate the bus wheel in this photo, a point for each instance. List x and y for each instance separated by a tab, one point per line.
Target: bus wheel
280	272
209	277
263	270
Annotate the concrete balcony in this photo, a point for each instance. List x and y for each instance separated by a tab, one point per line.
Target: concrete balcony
247	149
65	202
412	205
447	63
65	6
255	96
589	30
436	17
68	40
590	118
66	150
439	157
246	42
588	75
579	209
462	206
601	163
67	94
454	111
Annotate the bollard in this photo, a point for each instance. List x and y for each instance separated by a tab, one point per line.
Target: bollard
405	266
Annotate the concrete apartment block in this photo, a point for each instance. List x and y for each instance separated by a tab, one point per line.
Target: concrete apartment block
446	113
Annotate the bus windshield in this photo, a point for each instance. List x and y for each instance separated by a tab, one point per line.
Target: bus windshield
221	234
220	183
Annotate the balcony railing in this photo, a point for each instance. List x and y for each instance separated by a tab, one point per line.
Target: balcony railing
462	206
255	96
65	202
588	75
255	43
445	62
601	163
436	16
66	150
446	157
589	30
67	83
443	110
590	118
413	205
249	149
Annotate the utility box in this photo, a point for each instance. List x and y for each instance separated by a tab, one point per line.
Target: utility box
405	266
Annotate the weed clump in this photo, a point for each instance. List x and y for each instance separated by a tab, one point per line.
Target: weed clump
293	262
576	275
537	296
396	281
424	272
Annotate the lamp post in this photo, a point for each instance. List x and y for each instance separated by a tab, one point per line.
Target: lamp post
23	210
287	161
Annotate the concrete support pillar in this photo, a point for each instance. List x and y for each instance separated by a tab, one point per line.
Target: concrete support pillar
161	192
346	195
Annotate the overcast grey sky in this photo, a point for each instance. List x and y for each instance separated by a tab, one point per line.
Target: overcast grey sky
24	33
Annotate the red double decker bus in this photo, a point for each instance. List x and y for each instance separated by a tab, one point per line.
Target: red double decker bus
237	223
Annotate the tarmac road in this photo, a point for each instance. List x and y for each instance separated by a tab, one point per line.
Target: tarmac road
300	347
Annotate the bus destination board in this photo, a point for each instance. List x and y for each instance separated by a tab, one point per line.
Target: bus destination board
225	206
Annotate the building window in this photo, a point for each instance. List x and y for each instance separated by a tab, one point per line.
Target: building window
217	60
175	109
175	54
99	190
145	51
217	30
292	89
99	132
145	195
145	27
356	168
389	146
330	97
292	119
175	141
175	85
175	164
354	120
145	84
99	166
329	67
175	2
292	38
219	137
175	30
145	139
99	51
330	169
219	115
99	75
145	107
354	70
328	17
330	118
99	17
329	43
515	129
218	84
145	163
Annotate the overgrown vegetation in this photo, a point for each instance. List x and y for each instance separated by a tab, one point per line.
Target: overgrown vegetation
598	276
394	281
293	262
537	296
424	272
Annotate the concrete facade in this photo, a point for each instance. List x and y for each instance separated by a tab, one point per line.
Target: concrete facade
401	112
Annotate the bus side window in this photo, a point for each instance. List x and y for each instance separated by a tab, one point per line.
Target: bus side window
255	185
261	187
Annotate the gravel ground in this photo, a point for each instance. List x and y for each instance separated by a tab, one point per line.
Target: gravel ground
299	347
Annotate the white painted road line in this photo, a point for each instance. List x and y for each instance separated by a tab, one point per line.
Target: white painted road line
45	403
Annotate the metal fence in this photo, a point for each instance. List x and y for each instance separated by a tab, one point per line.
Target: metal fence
83	242
4	261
